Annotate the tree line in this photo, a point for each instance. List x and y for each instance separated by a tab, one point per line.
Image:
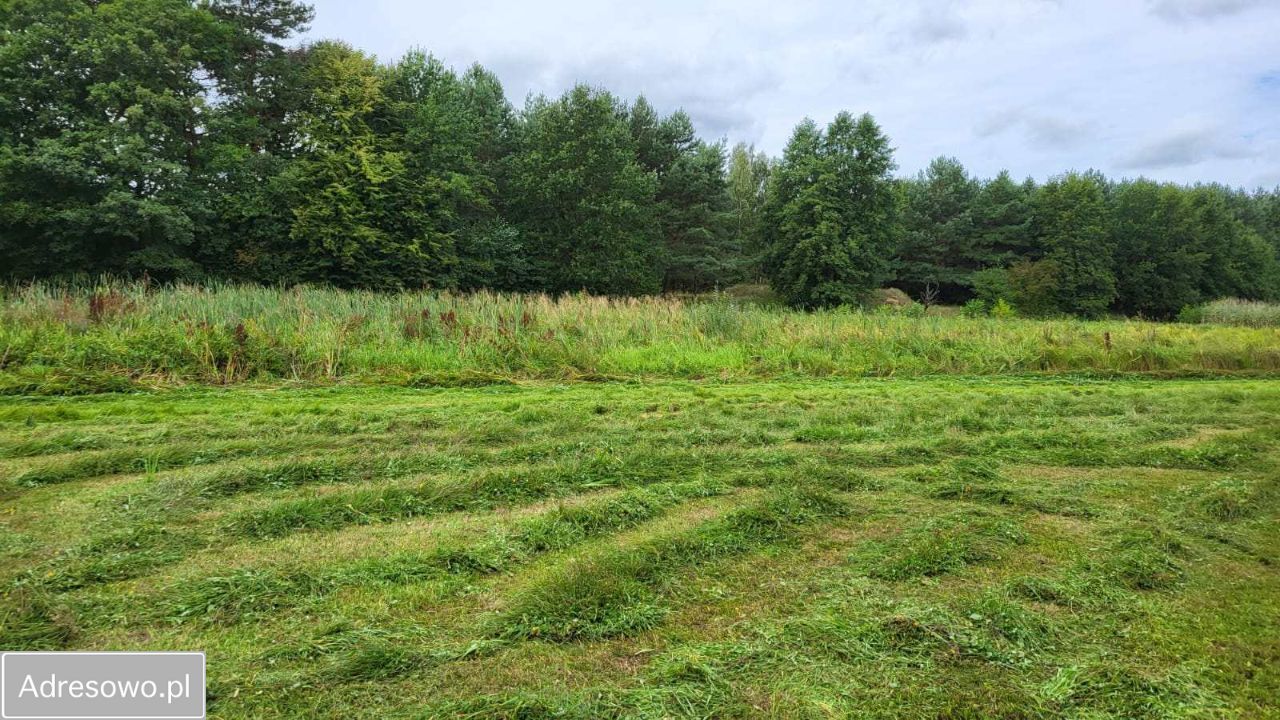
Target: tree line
193	140
1084	245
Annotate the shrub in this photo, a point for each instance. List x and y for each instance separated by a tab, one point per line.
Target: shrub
975	308
1030	286
1192	314
991	285
914	310
1034	286
1002	309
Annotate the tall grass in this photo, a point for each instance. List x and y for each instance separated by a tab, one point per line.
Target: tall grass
55	339
1247	313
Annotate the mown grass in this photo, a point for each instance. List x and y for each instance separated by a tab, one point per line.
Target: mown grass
936	548
613	593
121	336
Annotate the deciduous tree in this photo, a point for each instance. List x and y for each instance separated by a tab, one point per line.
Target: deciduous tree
1070	223
583	202
831	213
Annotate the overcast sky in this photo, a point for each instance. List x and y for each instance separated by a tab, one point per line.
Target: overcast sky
1182	90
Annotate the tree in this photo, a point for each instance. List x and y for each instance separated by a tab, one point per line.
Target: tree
361	214
1002	219
1158	267
1070	223
830	214
100	135
491	250
195	139
659	141
1239	262
691	200
493	129
256	74
747	183
454	134
940	248
252	136
1269	217
1028	286
701	251
582	201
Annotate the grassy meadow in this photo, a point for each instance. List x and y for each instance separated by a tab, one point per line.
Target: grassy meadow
121	337
365	505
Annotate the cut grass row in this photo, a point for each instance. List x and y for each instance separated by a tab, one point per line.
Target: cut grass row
471	480
947	547
122	553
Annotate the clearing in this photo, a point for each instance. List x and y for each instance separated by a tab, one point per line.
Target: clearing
961	547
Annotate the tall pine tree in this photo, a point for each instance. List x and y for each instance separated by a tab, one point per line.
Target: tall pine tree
940	248
252	135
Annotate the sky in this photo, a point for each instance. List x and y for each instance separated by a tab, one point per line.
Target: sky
1178	90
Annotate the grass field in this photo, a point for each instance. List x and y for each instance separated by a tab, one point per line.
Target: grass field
933	548
120	337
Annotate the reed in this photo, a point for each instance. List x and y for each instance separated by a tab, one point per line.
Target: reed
1247	313
115	335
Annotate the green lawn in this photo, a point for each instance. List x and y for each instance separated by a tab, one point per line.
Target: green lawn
933	548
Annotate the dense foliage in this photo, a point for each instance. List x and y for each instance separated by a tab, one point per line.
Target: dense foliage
192	140
1081	244
830	213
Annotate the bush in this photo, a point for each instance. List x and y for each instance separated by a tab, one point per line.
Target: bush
975	308
991	285
1034	286
1024	284
1002	309
1191	314
999	308
911	309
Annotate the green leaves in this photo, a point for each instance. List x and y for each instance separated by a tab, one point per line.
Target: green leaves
1071	220
99	137
941	245
831	213
582	198
187	140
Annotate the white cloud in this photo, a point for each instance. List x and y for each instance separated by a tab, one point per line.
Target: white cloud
1034	86
1184	147
1180	10
934	25
1041	130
